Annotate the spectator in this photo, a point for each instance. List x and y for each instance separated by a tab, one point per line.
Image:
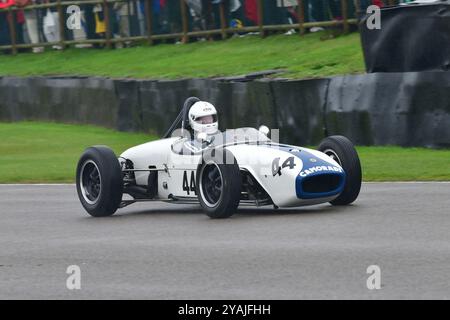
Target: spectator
51	25
100	25
216	12
6	3
123	11
173	12
127	18
81	34
4	26
290	15
251	11
196	14
379	3
31	21
141	16
157	15
237	15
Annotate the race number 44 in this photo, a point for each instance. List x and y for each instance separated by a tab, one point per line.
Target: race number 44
189	184
288	163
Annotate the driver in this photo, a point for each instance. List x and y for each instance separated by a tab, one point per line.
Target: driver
203	118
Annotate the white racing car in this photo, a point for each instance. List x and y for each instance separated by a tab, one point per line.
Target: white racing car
195	163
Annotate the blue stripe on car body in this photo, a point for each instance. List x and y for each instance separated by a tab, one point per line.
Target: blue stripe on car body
310	162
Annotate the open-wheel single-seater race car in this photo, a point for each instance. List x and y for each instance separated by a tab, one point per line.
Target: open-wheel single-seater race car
219	171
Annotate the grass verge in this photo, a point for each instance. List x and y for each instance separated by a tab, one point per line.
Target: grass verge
301	57
32	152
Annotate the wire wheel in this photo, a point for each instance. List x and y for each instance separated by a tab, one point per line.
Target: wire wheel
91	182
333	155
211	184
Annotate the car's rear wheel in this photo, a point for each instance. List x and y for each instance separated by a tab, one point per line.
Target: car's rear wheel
341	150
99	181
219	184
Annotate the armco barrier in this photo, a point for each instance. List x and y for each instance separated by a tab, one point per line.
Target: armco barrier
408	109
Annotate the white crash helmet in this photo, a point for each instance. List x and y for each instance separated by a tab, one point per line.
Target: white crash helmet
203	118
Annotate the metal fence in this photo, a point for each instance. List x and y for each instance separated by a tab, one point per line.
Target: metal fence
184	30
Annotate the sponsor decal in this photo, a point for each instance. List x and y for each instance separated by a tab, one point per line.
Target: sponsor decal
311	170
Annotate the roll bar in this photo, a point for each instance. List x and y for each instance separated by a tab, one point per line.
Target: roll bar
182	117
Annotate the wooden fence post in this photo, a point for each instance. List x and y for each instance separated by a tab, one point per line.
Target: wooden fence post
148	19
12	30
222	20
184	19
61	24
301	17
260	18
108	28
344	9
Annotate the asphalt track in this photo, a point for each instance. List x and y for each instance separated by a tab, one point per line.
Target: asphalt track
164	251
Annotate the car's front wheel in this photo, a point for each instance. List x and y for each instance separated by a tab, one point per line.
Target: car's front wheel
341	150
219	184
99	181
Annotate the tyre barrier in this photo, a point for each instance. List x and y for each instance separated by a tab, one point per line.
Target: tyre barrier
406	109
413	37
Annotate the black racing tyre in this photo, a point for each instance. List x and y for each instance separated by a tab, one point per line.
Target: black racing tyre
219	184
99	181
343	152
